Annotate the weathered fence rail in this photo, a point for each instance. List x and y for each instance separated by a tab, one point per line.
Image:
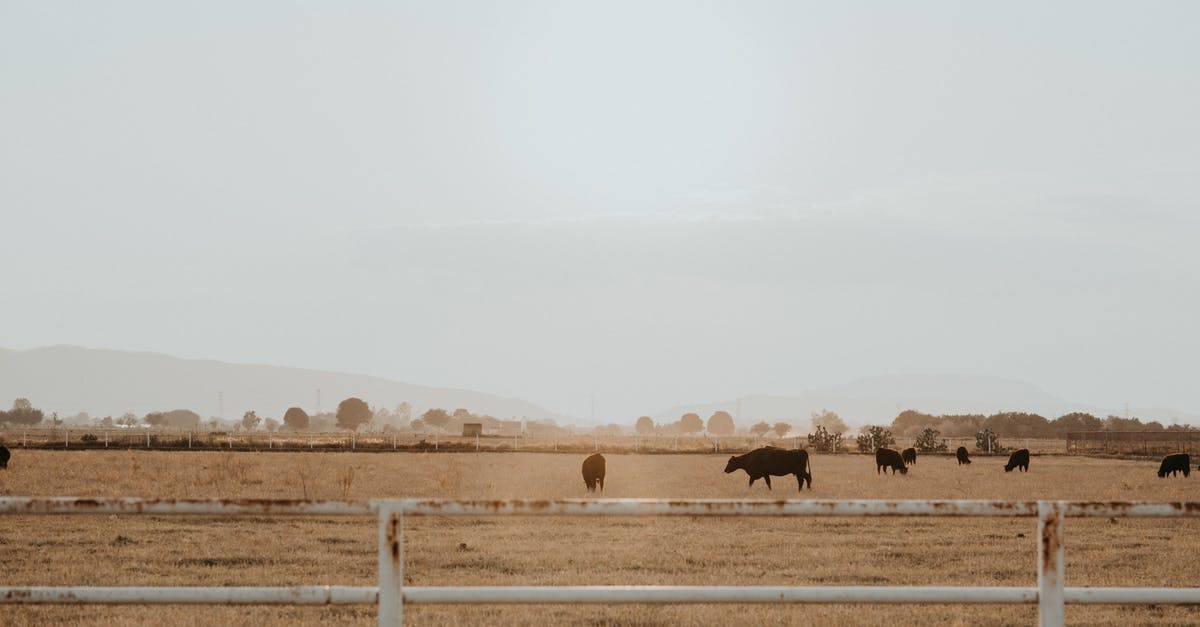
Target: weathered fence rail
390	595
1152	443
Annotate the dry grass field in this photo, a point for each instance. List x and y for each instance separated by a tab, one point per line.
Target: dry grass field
132	550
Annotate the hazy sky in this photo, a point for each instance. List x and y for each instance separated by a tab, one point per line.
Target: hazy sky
659	203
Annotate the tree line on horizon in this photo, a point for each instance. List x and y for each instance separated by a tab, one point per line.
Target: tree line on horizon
827	430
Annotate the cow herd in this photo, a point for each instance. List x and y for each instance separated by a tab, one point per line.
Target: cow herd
763	463
768	461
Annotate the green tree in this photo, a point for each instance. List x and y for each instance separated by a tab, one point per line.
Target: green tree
691	423
250	420
760	428
352	413
296	419
436	418
645	425
782	428
830	421
22	413
271	425
720	423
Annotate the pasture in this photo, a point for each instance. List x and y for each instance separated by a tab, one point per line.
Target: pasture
119	550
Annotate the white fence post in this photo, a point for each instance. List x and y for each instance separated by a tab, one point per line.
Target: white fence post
1051	612
229	436
393	440
147	438
66	438
476	442
189	440
391	566
105	439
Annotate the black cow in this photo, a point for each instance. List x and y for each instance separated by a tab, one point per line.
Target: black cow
4	456
593	472
887	458
1019	459
763	462
909	455
961	454
1171	464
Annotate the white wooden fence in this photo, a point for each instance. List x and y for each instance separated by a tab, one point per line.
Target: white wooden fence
390	595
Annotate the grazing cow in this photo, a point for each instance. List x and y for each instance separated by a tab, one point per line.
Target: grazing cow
4	456
763	462
961	454
1171	464
909	455
887	458
1019	459
593	472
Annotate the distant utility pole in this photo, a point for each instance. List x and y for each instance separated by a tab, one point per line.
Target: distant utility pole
318	401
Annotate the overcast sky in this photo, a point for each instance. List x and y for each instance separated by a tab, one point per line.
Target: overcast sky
656	202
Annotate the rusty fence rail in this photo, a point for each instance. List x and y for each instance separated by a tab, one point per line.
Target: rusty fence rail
391	595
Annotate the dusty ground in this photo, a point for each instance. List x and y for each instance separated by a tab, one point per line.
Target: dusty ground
129	550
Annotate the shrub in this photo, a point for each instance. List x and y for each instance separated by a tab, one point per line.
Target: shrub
87	437
928	442
982	439
873	438
824	441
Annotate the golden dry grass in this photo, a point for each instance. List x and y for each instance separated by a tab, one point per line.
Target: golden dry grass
130	550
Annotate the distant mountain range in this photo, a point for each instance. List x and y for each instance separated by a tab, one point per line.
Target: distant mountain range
877	400
70	379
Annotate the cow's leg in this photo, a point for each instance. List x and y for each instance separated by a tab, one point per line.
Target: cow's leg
601	484
752	478
767	478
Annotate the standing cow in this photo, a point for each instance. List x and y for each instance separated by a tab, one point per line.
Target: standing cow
887	458
962	456
909	455
1171	464
763	462
1019	459
593	472
4	456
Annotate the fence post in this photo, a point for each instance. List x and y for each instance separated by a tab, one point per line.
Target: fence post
310	440
352	442
147	438
105	439
435	440
1050	564
391	565
189	439
229	436
24	438
393	440
66	438
477	443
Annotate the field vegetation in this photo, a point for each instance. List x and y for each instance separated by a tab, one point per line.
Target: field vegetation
172	550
